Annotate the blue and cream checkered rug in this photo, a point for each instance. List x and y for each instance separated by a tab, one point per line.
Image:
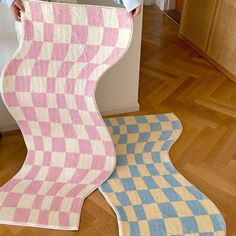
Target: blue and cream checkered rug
146	192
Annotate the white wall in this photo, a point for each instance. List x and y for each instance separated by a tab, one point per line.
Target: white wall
8	44
117	90
165	4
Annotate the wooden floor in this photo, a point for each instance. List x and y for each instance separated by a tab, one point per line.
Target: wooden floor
173	79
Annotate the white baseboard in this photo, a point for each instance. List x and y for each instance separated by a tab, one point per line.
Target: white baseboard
119	109
8	126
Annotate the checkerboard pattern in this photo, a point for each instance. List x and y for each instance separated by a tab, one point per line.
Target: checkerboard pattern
49	89
148	195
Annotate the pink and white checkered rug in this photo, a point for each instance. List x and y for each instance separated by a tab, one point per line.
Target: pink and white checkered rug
49	89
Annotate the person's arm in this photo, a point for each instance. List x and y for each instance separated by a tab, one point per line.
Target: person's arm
133	7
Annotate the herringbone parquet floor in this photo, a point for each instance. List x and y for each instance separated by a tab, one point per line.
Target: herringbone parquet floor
173	78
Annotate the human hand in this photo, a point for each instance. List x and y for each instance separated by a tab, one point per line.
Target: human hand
16	9
136	11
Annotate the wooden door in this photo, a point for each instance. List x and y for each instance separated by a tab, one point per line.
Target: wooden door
179	5
222	43
196	21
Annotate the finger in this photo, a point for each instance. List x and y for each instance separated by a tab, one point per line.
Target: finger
19	4
15	13
132	13
19	14
137	11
